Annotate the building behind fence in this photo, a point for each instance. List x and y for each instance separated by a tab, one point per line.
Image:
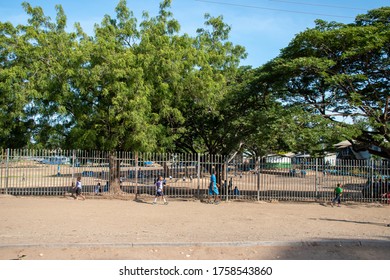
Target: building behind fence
51	173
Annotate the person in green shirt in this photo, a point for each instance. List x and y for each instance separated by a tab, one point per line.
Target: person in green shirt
338	191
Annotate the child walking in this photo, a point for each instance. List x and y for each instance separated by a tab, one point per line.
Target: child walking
338	191
98	188
213	189
77	189
159	190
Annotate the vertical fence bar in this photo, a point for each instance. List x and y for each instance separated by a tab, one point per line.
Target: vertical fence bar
73	163
258	177
136	176
225	183
1	167
7	171
371	182
316	178
198	173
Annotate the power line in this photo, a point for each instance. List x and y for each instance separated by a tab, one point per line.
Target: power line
272	9
319	5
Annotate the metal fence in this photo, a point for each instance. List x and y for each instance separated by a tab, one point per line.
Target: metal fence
52	172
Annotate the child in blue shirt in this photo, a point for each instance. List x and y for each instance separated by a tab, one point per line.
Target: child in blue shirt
159	190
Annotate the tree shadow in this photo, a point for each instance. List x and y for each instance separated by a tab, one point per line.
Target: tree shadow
333	249
138	200
354	222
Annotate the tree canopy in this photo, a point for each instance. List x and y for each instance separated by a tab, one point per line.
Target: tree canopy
142	85
341	73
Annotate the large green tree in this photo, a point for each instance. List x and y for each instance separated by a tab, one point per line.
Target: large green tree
16	124
49	66
41	56
210	125
152	89
110	102
341	70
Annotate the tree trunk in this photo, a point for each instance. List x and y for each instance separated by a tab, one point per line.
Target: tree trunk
114	163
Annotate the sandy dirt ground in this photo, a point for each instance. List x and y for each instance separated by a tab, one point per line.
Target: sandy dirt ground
61	228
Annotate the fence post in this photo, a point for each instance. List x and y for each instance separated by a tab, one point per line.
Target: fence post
372	180
225	184
258	178
7	172
198	175
1	175
316	179
136	176
73	163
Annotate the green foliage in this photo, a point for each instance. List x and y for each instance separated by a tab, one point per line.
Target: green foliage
145	87
128	87
338	71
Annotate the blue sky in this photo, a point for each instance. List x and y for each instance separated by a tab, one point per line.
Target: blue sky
263	27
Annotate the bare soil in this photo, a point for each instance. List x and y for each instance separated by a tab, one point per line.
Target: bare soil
36	228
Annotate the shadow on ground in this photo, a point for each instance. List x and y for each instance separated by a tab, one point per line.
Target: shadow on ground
306	250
